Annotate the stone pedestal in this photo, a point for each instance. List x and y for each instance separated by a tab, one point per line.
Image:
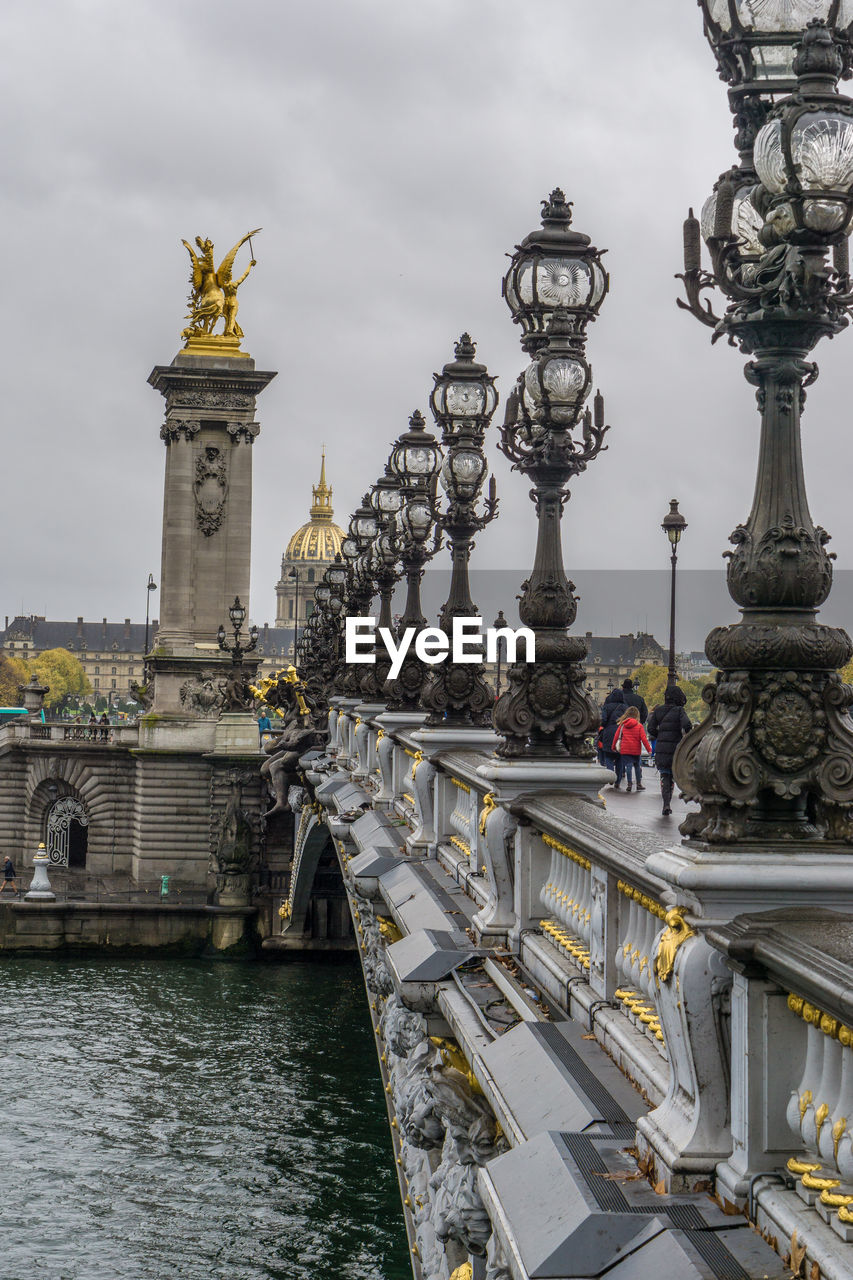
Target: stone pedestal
717	883
236	734
207	515
40	890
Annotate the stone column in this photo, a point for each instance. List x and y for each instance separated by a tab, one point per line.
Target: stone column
207	512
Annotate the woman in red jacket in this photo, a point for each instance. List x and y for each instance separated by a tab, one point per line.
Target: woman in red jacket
630	737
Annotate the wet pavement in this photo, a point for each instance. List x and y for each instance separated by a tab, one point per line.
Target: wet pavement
644	807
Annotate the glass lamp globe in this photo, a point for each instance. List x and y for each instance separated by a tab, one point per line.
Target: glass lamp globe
385	496
746	221
336	574
415	457
820	177
464	393
755	40
556	389
322	592
554	267
237	613
416	519
462	473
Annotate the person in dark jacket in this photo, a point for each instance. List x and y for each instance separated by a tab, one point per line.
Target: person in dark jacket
614	706
668	724
9	876
634	699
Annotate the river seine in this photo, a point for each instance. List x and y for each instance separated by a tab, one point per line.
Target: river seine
175	1120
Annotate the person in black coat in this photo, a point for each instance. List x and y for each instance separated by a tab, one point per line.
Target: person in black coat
634	699
614	706
668	723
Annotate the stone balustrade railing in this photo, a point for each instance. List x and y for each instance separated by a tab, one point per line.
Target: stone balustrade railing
488	913
125	734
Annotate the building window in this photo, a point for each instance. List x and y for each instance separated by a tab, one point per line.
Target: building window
97	671
290	608
310	575
112	673
97	684
113	684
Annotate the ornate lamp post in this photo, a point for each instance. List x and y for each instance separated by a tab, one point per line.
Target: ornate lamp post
499	623
554	287
774	758
673	526
294	573
755	46
151	585
462	402
360	584
414	463
237	696
383	563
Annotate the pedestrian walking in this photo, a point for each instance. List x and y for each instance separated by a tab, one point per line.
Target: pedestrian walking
9	876
614	705
629	739
634	699
668	724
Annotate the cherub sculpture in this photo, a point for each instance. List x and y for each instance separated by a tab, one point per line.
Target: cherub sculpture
213	294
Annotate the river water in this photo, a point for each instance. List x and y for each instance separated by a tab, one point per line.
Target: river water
176	1120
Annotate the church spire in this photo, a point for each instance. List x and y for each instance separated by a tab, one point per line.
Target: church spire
321	507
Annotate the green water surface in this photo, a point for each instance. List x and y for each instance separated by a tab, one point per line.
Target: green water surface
176	1119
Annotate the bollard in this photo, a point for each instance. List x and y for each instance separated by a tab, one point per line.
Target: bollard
40	890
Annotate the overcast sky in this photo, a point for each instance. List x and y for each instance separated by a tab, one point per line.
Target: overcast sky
393	152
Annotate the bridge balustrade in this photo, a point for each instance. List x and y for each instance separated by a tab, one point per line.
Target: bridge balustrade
484	918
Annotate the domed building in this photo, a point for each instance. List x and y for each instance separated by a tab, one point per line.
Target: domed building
310	551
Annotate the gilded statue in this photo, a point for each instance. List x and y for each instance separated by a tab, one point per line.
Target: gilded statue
213	291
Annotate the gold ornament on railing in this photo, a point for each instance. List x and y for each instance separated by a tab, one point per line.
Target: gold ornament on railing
213	297
674	935
489	803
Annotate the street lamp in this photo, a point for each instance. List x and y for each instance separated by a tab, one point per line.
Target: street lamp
673	526
151	586
554	287
499	623
294	573
237	694
774	759
462	402
414	464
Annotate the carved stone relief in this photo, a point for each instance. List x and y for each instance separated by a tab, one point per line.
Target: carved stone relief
210	490
197	399
173	428
200	695
242	431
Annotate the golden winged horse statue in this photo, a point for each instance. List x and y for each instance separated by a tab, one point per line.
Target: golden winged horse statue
213	292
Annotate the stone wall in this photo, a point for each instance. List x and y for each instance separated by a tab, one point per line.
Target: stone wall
120	928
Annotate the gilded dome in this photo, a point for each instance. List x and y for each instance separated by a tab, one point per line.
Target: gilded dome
315	542
320	539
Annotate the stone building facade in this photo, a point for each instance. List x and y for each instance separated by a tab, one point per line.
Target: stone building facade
611	659
111	652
